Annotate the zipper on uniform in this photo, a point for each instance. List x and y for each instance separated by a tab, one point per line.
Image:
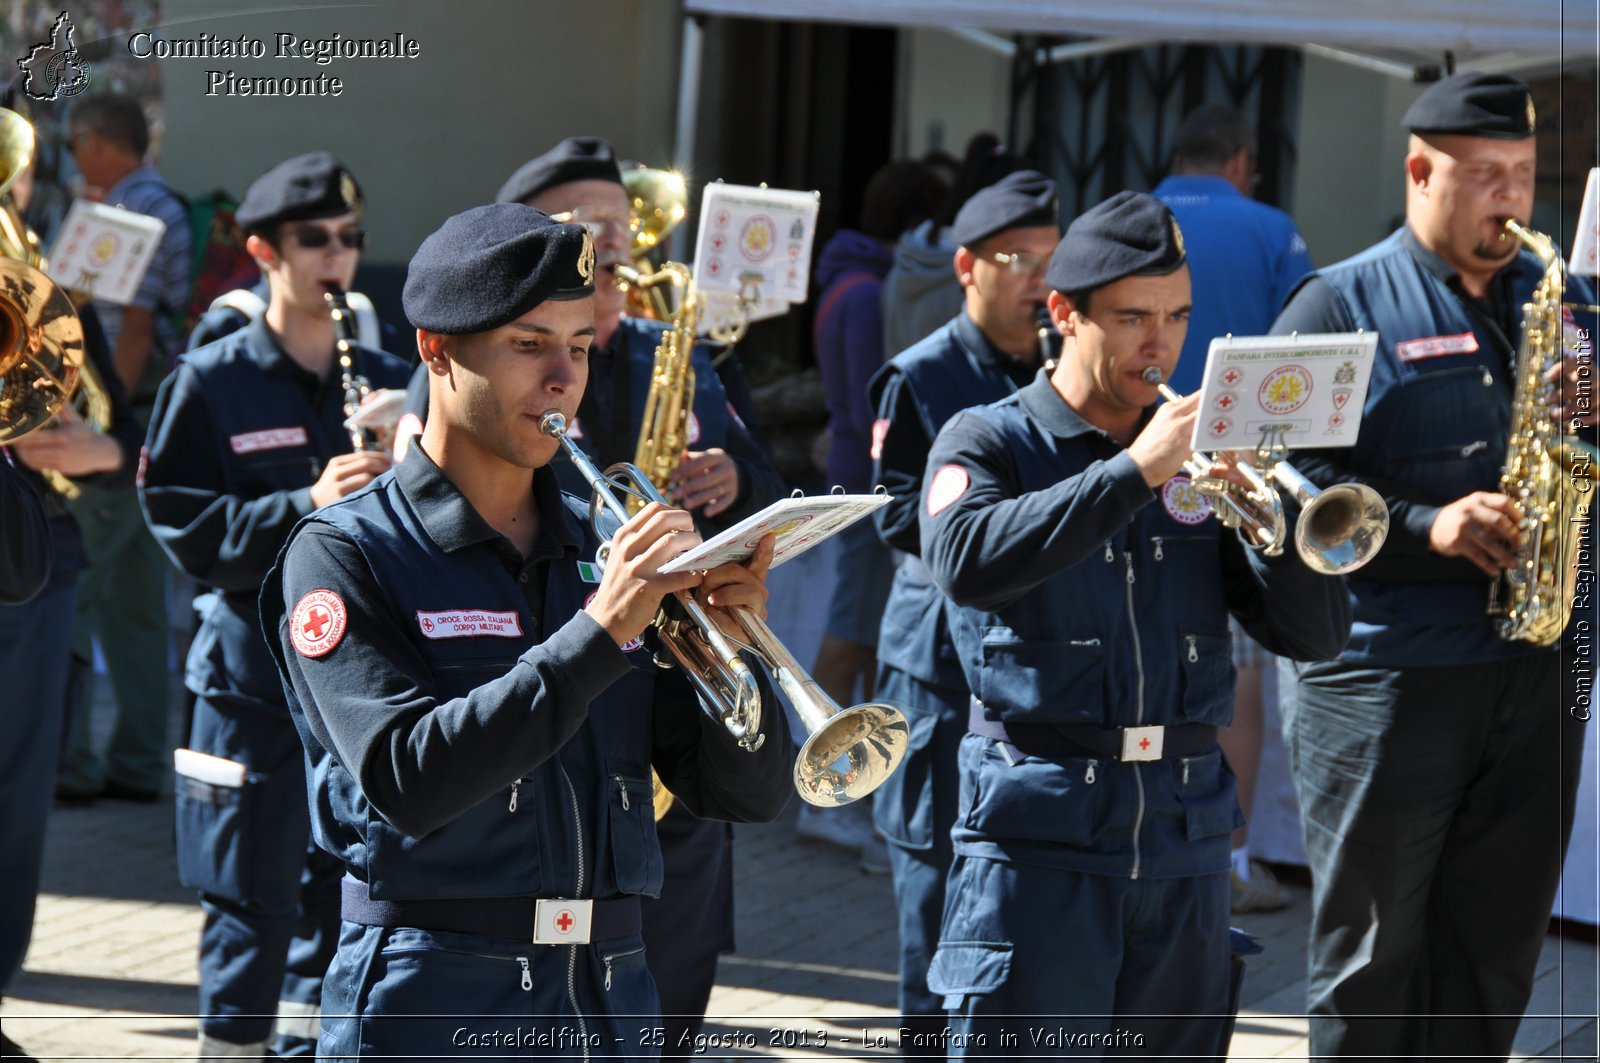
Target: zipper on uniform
1194	652
1138	649
572	954
1109	555
622	789
527	973
1088	772
607	961
1157	540
1138	817
1472	448
515	786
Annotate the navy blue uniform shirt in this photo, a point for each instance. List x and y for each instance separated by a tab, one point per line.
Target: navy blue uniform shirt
1434	428
472	732
239	434
1083	597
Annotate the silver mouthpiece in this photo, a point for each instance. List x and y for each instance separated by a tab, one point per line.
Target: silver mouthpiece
553	423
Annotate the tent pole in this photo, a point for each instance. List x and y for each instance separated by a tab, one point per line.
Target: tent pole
683	139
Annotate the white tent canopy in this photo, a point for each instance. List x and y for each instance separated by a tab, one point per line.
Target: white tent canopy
1541	30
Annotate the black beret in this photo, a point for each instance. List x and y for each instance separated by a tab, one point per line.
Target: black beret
303	188
1132	233
574	159
488	266
1018	200
1474	105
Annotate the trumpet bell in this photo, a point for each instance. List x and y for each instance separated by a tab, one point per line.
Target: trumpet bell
1341	528
851	755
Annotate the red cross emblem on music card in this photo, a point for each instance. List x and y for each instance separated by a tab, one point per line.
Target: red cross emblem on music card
1231	377
318	623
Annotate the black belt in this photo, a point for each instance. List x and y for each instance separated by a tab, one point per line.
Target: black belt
1086	740
511	918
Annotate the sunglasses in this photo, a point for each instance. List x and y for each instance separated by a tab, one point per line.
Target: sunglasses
315	237
1020	262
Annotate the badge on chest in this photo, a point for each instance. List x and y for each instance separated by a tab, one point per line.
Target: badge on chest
469	624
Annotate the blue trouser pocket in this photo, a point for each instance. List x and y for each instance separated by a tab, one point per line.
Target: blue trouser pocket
968	968
214	839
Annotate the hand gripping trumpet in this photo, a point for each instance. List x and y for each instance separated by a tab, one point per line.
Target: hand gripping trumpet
850	752
1340	529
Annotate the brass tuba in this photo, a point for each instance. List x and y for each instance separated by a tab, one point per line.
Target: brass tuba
1546	474
850	752
41	338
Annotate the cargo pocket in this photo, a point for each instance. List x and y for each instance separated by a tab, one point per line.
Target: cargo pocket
1040	680
968	968
1035	799
1207	677
1209	797
902	808
635	850
216	847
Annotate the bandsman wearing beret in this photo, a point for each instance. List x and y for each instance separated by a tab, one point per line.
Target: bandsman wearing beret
478	707
247	438
1005	234
1436	763
1089	593
725	476
306	188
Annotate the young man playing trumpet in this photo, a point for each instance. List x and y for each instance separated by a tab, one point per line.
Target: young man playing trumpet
247	438
479	708
1091	592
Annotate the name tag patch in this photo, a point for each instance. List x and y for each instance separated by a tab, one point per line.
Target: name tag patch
267	439
468	624
1435	346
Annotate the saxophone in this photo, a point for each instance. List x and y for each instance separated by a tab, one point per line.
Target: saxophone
664	428
1546	474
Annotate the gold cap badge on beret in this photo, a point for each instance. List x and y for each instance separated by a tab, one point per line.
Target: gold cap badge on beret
586	258
1532	121
347	190
1177	237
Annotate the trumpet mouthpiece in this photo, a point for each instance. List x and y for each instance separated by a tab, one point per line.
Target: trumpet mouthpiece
553	423
1152	375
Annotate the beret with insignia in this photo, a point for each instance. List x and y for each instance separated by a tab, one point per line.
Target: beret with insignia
574	159
1019	200
1474	105
1130	234
488	266
304	188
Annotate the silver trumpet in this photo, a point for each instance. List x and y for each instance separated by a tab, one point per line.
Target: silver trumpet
850	752
1340	528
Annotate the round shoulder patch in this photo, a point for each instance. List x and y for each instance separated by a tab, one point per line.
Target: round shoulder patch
949	484
318	623
1184	502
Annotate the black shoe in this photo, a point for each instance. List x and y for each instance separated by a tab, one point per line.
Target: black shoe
9	1049
73	795
117	791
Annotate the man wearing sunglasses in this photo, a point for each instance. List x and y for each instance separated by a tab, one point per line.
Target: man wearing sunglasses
247	438
1006	234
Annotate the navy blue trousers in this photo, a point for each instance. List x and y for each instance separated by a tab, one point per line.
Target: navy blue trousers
690	923
408	994
270	897
914	810
35	647
1044	962
1436	805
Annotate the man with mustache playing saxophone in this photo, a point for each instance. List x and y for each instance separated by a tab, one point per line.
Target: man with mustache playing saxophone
247	438
1436	761
479	708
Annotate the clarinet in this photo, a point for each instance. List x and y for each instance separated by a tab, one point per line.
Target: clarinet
356	387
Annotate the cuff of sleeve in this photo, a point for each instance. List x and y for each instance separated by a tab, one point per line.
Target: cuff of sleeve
1418	519
1127	482
585	656
300	502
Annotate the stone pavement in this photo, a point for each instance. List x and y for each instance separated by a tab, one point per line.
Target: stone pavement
111	971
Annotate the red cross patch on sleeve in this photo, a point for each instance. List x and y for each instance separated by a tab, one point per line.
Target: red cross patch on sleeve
318	623
949	484
880	430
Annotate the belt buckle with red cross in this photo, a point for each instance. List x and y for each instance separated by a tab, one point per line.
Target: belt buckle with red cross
562	922
1141	743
